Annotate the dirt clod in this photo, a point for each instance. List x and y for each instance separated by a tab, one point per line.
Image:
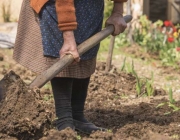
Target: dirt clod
66	134
23	113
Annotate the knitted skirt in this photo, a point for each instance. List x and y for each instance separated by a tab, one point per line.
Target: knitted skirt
28	49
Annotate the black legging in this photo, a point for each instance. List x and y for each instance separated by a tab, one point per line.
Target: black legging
69	95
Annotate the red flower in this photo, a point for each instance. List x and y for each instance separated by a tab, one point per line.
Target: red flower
168	23
174	29
178	49
170	39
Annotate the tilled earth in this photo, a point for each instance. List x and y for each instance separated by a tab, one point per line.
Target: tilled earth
112	103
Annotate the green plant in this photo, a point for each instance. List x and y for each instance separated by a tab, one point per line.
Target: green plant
161	39
139	83
124	96
6	11
129	68
107	9
78	137
171	100
47	97
170	103
124	64
109	130
149	85
122	40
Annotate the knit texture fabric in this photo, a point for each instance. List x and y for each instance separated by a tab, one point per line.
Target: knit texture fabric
28	48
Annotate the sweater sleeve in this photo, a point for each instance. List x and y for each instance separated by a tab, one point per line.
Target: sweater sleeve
66	15
119	0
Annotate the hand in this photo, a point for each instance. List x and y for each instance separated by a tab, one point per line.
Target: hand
117	19
69	46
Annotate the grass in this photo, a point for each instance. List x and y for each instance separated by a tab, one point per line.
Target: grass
103	50
171	78
48	97
6	11
78	137
47	86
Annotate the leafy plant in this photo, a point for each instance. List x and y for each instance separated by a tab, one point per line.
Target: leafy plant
159	38
124	64
171	100
78	137
170	103
6	12
122	40
149	87
139	83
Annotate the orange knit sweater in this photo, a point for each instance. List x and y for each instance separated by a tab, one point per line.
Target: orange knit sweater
65	12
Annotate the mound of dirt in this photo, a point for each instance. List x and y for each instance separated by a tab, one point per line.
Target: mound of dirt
23	113
66	134
110	136
115	84
6	137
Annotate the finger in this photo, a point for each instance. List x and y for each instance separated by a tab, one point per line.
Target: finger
75	55
106	23
62	55
119	29
77	59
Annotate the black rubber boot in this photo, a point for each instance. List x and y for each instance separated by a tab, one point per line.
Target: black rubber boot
62	89
79	93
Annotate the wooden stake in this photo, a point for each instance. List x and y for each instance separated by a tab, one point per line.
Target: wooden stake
110	53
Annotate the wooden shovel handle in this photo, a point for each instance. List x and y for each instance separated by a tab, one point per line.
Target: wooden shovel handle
65	61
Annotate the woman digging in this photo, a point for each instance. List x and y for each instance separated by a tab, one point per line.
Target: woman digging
50	29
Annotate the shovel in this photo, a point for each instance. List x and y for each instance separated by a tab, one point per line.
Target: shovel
50	73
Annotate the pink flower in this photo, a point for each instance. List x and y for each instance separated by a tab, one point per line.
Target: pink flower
178	49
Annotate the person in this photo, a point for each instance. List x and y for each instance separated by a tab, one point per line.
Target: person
50	29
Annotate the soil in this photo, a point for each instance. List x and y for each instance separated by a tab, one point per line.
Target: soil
1	57
137	52
23	113
112	103
67	134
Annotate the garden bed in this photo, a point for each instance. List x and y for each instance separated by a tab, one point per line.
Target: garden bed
112	103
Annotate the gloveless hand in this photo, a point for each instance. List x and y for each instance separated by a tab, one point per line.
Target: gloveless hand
117	19
69	46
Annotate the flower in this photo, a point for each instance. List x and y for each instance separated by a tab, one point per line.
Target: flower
178	49
168	23
174	29
178	30
170	39
176	34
